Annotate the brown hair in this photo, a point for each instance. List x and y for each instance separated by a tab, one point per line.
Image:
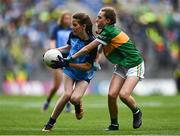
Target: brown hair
110	13
84	19
61	18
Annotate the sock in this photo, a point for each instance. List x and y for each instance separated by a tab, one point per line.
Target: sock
77	108
114	121
135	110
51	121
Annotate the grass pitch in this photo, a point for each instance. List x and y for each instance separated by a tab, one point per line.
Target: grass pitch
21	115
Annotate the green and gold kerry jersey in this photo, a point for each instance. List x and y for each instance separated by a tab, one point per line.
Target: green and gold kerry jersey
118	48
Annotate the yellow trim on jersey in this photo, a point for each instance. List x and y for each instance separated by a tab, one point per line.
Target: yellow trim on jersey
119	40
115	43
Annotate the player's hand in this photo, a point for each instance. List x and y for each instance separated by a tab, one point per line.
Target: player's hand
64	62
69	60
96	66
60	63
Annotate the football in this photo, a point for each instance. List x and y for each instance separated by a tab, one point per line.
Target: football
51	54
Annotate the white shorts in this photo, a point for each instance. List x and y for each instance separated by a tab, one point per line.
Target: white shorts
137	71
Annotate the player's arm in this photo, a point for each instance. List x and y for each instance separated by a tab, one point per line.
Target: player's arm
98	58
89	60
65	49
86	49
63	63
84	66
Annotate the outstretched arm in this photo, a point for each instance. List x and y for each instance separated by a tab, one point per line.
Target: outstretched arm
86	49
64	49
61	63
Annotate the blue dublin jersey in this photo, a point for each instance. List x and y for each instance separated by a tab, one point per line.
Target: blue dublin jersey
76	44
60	35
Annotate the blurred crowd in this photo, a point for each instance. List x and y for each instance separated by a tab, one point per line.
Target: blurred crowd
25	28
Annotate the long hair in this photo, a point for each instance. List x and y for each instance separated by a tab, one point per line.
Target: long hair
61	17
84	19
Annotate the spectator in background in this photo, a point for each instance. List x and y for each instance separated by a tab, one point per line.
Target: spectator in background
59	39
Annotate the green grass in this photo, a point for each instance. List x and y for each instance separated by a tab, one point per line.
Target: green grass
21	115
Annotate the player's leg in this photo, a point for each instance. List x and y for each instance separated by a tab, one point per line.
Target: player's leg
133	76
125	96
57	74
114	88
78	93
68	90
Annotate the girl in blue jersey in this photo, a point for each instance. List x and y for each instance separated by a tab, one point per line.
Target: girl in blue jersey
78	73
59	38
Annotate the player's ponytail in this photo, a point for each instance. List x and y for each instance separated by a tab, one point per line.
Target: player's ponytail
84	19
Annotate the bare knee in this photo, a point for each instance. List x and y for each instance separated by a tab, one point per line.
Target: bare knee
123	95
112	95
75	100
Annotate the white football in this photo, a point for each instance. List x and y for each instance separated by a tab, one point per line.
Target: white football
51	54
